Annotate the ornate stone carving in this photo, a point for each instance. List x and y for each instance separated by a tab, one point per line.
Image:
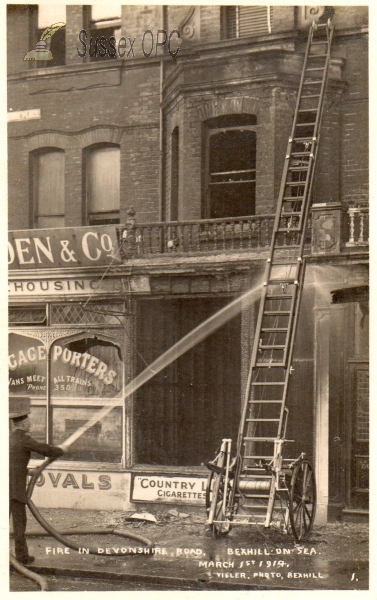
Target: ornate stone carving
189	26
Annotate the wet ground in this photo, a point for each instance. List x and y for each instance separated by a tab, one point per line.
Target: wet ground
335	557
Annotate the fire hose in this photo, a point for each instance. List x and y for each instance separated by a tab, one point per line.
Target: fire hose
60	536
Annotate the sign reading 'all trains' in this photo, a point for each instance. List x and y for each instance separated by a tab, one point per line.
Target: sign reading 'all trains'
61	248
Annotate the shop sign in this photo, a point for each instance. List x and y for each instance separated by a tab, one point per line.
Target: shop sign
74	481
175	490
61	248
59	287
89	371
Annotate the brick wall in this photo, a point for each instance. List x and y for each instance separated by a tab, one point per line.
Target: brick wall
120	101
354	121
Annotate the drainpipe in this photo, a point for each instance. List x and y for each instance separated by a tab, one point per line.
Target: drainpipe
161	146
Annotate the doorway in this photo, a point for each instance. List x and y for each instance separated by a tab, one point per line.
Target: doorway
184	411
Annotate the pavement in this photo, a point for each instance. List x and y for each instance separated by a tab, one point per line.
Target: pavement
184	557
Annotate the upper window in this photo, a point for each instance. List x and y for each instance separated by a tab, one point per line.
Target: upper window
102	185
49	14
244	21
104	21
48	166
230	167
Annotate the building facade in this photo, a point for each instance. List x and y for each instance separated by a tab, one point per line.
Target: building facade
144	167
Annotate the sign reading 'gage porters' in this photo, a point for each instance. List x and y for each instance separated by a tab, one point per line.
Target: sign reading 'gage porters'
56	248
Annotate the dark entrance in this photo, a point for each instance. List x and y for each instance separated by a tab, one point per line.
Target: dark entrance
184	411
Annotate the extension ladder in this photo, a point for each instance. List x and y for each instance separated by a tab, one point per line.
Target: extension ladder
250	483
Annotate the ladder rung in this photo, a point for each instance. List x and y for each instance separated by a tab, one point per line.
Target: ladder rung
278	296
260	439
272	347
249	456
295	183
251	496
265	401
319	42
271	313
304	139
314	69
278	281
259	457
269	365
293	198
303	153
274	329
263	420
307	110
305	124
283	229
268	383
289	214
313	82
310	96
287	248
250	476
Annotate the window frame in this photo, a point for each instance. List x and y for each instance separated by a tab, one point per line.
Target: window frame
252	9
35	215
89	218
212	129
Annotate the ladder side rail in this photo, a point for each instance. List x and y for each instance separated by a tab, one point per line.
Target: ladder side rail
316	141
290	351
291	137
306	207
296	297
322	93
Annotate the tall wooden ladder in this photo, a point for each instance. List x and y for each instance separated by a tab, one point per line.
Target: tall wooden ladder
264	418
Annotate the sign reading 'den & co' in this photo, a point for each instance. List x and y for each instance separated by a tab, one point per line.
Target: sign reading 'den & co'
67	247
161	488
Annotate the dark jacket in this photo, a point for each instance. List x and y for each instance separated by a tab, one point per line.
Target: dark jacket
21	446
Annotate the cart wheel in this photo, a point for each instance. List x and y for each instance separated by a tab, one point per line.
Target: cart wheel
214	498
302	500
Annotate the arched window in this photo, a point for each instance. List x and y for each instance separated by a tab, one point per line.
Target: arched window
230	173
102	184
48	167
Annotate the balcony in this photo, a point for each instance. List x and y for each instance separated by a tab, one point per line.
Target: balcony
332	229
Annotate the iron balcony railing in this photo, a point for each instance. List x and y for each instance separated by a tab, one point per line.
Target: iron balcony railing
236	234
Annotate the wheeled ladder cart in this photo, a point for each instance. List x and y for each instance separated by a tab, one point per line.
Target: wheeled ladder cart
258	485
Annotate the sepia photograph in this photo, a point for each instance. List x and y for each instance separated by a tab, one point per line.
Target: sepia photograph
188	297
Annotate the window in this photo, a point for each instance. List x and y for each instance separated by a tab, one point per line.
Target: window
48	166
102	184
230	167
104	20
244	21
85	374
27	315
48	14
174	175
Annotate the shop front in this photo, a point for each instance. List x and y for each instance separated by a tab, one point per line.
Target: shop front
73	350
